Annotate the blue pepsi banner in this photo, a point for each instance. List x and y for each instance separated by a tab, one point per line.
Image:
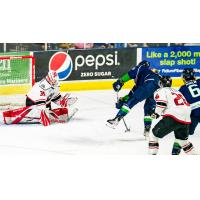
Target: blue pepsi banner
172	60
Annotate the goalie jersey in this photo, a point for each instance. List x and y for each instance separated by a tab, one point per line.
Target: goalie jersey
171	103
43	92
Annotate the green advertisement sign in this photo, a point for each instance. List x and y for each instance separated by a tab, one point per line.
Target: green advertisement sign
15	70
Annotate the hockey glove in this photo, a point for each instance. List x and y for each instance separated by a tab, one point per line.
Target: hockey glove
117	85
155	115
121	101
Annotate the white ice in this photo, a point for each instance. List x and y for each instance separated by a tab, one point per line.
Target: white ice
86	133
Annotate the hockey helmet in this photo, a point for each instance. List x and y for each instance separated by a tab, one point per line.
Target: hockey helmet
188	74
52	78
144	63
165	81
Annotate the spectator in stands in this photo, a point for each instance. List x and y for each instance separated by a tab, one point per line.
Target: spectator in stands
132	45
83	45
66	46
119	45
137	45
101	45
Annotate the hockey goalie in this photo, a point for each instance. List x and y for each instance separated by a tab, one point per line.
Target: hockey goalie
44	104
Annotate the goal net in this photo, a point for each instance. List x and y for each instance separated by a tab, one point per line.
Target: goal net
17	75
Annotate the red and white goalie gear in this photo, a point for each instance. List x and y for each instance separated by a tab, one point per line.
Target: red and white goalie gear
65	101
29	114
38	114
18	115
171	103
59	115
44	118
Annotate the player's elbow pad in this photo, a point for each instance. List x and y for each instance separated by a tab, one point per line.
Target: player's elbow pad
126	77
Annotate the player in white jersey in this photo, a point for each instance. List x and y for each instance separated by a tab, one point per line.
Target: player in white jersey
44	91
175	110
44	104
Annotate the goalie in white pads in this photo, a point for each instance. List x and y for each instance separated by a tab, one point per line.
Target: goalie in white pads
44	104
175	110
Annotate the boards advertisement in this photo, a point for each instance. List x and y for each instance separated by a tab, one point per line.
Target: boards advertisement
172	60
81	65
85	69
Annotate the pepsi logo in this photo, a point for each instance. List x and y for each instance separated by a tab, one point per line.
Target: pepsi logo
61	62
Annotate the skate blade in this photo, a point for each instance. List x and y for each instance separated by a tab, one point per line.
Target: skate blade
110	125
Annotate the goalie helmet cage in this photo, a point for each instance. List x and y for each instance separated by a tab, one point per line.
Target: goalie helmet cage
17	76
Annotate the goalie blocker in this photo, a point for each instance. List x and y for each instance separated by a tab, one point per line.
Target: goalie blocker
31	114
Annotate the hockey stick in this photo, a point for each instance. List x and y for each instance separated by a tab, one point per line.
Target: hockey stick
127	129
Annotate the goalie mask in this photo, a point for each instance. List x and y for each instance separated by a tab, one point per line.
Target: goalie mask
165	81
188	74
52	78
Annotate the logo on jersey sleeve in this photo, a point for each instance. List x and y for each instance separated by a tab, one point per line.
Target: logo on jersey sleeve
61	62
157	96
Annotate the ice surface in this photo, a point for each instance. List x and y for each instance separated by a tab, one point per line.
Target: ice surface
86	133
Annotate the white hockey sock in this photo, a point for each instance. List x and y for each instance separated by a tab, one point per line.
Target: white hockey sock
153	144
187	146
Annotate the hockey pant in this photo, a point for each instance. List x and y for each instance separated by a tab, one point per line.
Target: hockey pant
139	94
166	126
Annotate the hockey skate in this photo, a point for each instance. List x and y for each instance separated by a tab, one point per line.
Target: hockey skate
112	123
147	131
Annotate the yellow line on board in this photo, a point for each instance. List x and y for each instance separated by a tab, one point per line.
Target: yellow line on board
97	85
76	86
14	89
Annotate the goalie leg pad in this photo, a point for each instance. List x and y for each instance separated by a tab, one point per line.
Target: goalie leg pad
44	119
59	115
15	116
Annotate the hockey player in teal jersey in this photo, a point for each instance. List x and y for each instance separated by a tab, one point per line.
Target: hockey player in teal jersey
146	83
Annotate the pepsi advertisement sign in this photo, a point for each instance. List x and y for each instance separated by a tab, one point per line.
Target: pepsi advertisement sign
93	64
61	62
172	60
